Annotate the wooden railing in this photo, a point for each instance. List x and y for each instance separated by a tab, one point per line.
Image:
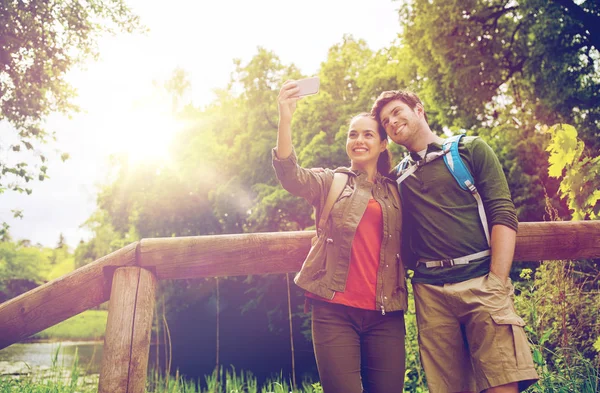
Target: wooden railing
128	278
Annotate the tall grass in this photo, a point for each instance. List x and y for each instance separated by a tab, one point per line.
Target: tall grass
227	381
61	380
57	379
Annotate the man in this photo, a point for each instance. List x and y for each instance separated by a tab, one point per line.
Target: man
471	339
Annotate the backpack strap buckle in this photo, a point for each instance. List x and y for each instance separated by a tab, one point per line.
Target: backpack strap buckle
449	262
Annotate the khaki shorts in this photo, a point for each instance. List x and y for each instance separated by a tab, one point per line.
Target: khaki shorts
470	338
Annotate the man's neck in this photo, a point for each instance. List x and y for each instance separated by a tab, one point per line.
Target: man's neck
421	143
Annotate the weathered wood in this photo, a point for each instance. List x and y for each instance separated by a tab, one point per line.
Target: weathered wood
545	241
60	299
283	252
127	336
229	255
225	255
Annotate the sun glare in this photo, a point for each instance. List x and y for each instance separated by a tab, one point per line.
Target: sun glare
146	133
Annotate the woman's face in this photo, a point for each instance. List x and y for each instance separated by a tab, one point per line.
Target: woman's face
364	144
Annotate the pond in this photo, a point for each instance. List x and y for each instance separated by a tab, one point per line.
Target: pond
26	358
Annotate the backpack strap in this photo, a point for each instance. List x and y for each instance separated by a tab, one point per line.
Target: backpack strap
464	178
337	186
455	164
407	167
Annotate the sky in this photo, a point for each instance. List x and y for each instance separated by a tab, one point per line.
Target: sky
122	112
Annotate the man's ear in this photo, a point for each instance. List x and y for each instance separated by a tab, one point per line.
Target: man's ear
420	110
384	145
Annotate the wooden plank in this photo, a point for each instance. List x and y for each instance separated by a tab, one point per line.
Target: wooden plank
127	337
60	299
283	252
142	331
225	255
539	241
229	255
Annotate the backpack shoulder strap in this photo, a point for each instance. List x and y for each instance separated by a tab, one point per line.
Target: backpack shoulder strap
402	165
464	178
337	186
455	164
404	170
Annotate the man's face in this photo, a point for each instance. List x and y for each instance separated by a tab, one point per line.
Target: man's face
401	123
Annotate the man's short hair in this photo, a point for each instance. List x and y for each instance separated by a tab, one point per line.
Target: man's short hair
406	96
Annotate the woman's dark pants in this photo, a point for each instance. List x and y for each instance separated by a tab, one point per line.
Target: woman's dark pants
358	350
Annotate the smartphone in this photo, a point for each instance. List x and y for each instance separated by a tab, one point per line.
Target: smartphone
308	86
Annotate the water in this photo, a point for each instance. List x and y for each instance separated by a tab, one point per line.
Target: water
190	357
27	358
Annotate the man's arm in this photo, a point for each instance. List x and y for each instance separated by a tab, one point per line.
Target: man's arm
503	249
501	212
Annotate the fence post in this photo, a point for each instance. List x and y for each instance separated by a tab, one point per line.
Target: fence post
127	338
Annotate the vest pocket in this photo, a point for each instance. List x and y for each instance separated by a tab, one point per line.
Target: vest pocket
314	266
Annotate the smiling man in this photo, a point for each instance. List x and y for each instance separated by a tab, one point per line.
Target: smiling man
471	339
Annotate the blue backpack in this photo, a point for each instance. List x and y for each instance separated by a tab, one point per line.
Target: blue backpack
465	180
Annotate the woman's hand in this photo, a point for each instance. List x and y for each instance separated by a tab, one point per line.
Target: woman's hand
287	105
287	100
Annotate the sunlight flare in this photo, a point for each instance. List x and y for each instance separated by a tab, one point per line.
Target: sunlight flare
145	134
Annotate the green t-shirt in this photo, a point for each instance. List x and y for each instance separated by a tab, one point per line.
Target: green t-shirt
441	219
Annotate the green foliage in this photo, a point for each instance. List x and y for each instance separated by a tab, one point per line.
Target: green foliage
227	381
534	53
580	173
105	240
560	303
561	309
22	267
41	41
572	373
494	66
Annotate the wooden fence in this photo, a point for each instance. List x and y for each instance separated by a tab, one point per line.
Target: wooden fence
128	278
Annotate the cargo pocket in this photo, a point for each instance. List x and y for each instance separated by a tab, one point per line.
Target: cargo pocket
514	340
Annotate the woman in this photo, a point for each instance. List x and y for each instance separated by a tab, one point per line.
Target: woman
353	274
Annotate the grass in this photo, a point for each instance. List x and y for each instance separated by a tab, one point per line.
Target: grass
89	325
57	379
62	267
581	378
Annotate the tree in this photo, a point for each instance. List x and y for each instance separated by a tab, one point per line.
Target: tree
540	56
40	41
22	267
503	69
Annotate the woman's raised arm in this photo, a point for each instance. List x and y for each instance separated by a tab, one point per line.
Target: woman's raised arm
287	105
